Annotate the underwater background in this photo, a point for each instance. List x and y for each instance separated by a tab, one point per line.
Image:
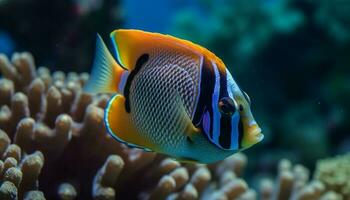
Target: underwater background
291	57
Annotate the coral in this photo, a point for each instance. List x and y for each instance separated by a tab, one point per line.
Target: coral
106	178
292	183
330	181
48	115
334	173
67	192
19	171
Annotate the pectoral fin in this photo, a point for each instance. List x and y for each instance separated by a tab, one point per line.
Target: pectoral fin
191	131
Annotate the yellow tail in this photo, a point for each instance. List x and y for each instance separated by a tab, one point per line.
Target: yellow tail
107	76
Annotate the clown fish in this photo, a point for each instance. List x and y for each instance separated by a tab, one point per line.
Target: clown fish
171	96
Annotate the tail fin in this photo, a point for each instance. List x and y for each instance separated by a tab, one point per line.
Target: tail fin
106	72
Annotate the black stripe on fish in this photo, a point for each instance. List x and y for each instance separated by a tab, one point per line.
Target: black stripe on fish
225	132
139	63
205	94
240	133
225	121
223	83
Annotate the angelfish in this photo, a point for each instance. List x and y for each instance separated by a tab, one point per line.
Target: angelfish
171	96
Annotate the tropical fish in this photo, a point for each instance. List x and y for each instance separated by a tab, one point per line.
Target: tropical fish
171	96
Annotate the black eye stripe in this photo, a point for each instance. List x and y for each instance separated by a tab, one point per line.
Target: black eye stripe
223	83
225	132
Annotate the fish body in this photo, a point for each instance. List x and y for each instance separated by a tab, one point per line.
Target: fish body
173	97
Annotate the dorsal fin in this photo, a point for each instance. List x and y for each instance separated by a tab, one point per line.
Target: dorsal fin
131	44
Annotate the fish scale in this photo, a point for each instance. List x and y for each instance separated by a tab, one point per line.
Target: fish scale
152	98
162	57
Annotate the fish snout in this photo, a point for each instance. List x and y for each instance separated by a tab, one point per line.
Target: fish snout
252	135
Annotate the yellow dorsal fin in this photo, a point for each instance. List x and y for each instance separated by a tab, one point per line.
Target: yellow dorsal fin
131	44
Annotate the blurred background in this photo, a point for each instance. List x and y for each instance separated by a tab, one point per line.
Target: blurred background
292	57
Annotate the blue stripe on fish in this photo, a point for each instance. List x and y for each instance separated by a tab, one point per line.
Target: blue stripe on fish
235	119
205	96
234	132
215	101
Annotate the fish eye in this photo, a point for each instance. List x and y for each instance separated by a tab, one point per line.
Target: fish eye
227	106
247	98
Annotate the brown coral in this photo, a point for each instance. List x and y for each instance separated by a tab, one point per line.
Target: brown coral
334	173
19	176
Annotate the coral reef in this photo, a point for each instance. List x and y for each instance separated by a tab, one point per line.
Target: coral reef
292	183
335	174
19	171
49	116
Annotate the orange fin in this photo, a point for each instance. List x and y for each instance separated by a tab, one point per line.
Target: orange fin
131	44
120	126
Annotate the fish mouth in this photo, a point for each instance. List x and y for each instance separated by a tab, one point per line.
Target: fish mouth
257	135
253	135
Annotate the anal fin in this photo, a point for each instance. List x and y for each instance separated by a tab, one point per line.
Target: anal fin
186	160
120	126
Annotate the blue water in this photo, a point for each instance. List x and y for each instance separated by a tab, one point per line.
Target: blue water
7	45
155	15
